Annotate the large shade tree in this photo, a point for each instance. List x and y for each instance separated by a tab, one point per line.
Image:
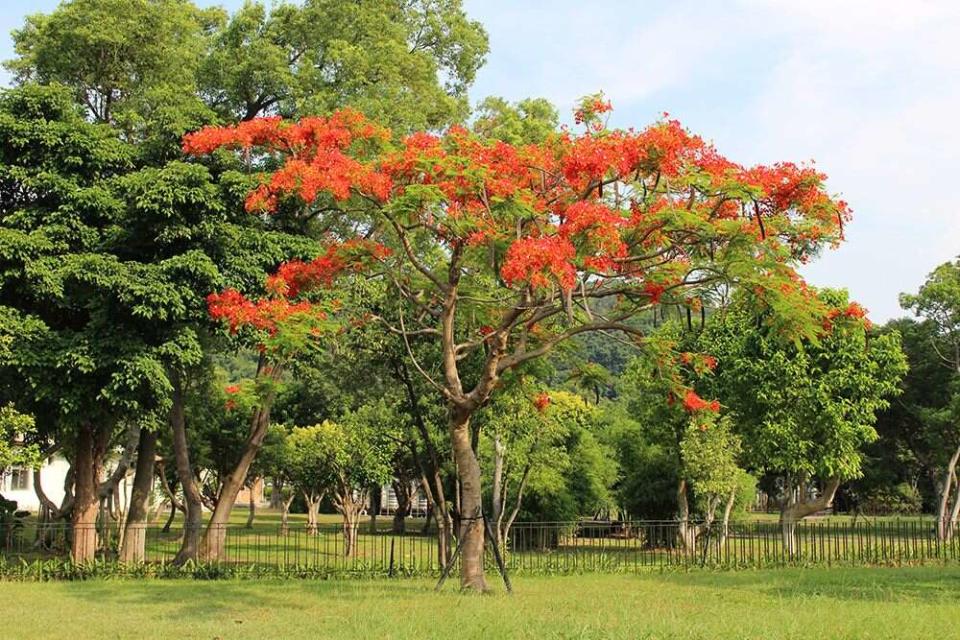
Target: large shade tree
804	407
406	63
938	304
153	69
503	251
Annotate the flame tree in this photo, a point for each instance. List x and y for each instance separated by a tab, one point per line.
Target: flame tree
504	251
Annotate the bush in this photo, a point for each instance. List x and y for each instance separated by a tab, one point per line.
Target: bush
901	499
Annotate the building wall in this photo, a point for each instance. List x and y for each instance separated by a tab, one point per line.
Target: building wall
52	474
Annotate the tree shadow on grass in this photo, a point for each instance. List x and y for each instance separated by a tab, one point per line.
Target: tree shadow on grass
182	598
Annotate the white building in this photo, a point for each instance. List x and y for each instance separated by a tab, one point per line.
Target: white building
16	483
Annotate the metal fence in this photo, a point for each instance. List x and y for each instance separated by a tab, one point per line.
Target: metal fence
533	547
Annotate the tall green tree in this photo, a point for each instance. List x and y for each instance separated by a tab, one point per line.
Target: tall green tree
804	408
153	69
406	64
130	63
938	304
64	297
700	451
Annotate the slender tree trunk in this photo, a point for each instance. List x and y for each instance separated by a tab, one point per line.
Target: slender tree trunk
349	507
285	515
313	506
91	445
727	510
193	502
135	534
428	516
686	531
403	492
944	528
497	490
471	514
954	510
276	494
170	517
376	499
797	508
251	503
214	540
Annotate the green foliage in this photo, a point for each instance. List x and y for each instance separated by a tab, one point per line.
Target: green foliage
570	472
805	408
15	431
709	455
529	121
899	499
938	303
349	455
695	447
64	297
131	63
648	472
384	58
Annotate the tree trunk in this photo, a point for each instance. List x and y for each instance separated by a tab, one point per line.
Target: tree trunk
403	491
727	510
944	528
252	504
376	500
135	534
193	502
285	515
276	494
797	508
954	511
313	506
686	531
215	537
428	516
91	445
349	507
170	517
497	490
471	515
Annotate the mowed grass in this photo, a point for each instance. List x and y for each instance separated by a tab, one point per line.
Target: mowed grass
918	602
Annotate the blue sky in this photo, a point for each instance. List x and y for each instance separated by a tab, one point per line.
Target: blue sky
870	89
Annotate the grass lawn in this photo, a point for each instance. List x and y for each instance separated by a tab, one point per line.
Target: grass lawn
922	602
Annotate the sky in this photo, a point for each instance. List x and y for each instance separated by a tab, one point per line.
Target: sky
868	89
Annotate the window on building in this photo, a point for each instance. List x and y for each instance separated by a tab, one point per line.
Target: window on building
20	479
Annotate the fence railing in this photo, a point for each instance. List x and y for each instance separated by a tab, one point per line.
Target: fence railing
534	547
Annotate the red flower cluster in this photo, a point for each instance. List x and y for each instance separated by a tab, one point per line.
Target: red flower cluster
266	314
693	403
699	360
539	262
319	159
597	223
542	401
654	290
853	311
